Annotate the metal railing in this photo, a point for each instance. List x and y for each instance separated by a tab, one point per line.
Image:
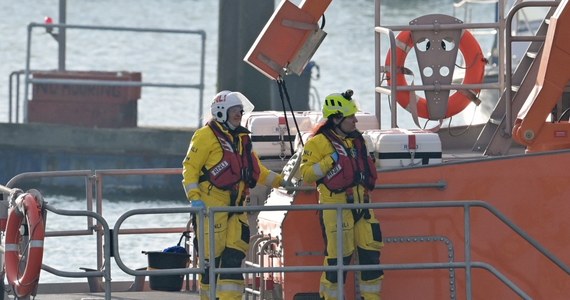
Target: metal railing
391	90
107	240
94	178
509	39
467	264
13	104
393	71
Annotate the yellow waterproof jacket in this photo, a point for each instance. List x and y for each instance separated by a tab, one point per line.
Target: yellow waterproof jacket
317	161
205	151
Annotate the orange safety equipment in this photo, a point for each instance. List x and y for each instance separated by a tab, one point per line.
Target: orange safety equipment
289	39
475	67
233	167
29	207
350	169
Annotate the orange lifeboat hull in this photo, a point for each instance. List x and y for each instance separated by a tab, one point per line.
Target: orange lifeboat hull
530	190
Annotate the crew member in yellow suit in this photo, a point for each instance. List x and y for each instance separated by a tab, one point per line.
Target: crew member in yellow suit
336	158
218	170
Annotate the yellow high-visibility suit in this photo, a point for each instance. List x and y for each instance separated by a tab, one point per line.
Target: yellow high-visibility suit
364	235
232	232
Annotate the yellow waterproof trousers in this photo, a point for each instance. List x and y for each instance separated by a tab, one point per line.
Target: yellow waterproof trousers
365	237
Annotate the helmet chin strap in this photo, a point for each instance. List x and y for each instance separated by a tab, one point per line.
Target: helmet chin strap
229	125
337	126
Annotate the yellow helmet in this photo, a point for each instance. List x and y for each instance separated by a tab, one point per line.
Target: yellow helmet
340	104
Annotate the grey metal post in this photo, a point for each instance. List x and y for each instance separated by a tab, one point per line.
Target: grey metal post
61	40
377	64
27	75
202	71
240	23
467	229
340	253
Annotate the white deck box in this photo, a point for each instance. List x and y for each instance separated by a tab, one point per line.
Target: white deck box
305	135
269	132
366	121
398	148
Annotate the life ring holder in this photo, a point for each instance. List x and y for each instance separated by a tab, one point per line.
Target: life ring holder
27	205
458	101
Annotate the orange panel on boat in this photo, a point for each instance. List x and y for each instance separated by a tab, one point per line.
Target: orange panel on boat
437	235
278	43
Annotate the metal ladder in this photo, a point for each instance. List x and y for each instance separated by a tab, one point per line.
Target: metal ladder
495	139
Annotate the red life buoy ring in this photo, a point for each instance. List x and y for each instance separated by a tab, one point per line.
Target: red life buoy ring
458	101
25	283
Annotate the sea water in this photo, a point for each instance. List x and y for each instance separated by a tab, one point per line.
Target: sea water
70	253
345	60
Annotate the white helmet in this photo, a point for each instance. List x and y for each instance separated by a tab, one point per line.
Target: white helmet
220	94
226	99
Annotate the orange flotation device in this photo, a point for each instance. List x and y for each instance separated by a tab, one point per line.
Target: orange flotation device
458	101
24	283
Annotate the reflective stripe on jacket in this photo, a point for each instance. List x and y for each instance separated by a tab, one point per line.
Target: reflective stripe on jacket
354	165
317	162
237	162
205	151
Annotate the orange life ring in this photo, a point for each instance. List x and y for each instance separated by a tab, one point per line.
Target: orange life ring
458	101
25	283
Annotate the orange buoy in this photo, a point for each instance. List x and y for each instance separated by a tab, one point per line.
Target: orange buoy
458	101
30	208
